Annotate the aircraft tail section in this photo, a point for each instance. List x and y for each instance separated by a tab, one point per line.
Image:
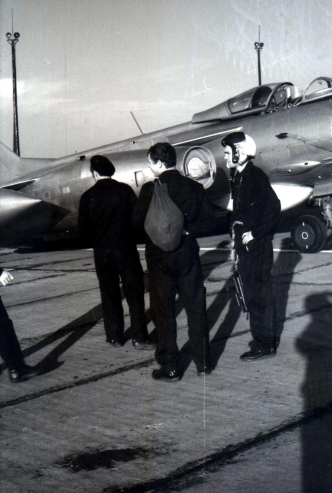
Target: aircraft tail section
13	166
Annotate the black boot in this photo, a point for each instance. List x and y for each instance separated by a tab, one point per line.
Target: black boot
166	376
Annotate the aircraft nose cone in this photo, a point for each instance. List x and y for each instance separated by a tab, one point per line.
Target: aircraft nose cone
12	203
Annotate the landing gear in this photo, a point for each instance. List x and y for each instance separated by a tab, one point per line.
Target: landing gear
309	234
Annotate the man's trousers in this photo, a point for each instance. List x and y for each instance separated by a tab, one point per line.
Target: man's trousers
178	272
255	267
110	268
10	349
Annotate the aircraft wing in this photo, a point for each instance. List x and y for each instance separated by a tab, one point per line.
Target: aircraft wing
322	189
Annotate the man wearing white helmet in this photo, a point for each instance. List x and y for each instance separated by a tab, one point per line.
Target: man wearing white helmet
255	212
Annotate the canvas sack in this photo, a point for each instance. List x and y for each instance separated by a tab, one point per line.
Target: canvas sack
164	220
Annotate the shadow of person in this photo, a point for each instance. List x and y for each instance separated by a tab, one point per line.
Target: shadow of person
315	344
75	330
282	275
225	294
128	333
225	329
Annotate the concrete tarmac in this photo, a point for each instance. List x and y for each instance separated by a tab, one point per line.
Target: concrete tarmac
94	421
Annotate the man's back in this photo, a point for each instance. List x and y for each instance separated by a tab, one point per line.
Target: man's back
187	194
105	214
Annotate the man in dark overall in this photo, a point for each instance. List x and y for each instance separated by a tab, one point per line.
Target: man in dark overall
10	349
178	271
105	221
255	212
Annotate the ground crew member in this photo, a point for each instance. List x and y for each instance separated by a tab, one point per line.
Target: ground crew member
255	212
105	220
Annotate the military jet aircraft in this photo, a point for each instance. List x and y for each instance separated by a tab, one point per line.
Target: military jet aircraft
292	130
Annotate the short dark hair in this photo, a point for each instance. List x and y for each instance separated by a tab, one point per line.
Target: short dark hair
102	165
164	152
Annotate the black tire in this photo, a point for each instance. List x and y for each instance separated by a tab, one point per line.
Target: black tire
308	234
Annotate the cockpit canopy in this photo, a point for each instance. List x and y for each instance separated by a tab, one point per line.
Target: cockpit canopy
318	88
266	99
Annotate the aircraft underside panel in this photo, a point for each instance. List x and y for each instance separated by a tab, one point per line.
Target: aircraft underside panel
34	221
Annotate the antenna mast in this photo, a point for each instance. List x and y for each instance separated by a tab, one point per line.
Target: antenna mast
13	41
132	114
258	47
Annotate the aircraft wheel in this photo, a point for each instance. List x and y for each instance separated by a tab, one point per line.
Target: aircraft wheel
308	234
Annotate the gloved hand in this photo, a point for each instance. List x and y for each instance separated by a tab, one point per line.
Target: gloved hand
246	237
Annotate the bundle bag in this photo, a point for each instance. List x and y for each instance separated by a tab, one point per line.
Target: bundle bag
164	220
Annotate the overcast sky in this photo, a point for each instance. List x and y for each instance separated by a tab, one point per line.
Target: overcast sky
84	65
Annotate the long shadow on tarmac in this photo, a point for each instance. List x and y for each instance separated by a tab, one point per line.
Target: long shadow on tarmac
76	329
282	274
315	344
218	343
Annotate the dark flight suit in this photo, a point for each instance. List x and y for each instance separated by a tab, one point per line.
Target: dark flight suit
105	220
10	349
257	207
178	271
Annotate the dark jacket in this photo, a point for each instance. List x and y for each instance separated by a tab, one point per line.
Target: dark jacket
105	211
188	195
255	204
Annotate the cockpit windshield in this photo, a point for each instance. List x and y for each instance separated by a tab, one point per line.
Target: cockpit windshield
319	88
240	103
256	98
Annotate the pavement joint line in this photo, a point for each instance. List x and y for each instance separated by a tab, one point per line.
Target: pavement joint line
303	313
17	283
65	331
38	268
71	271
77	383
328	264
76	259
294	272
307	283
177	478
42	300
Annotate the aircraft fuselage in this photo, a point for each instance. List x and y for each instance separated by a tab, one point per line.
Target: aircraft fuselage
294	148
